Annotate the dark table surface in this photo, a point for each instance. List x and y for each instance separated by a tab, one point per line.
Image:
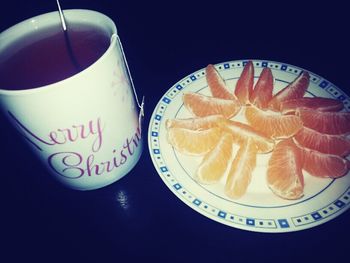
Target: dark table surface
138	218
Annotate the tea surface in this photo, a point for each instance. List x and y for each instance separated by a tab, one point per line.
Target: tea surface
48	56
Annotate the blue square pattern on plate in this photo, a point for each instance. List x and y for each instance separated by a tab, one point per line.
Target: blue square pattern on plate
316	216
226	65
166	100
222	214
158	117
264	64
323	84
341	97
177	186
339	203
155	134
250	222
197	202
156	151
284	67
283	223
179	87
193	77
164	169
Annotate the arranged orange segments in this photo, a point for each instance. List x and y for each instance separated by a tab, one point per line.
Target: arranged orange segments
295	90
324	143
284	172
240	174
298	135
216	162
216	84
325	122
324	165
198	123
274	125
262	93
193	142
242	132
200	105
245	83
314	103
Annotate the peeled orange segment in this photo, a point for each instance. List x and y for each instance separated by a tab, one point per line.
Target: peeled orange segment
295	90
240	174
262	93
217	84
201	105
325	122
193	142
244	85
324	165
284	171
198	123
324	143
242	132
315	103
216	162
273	124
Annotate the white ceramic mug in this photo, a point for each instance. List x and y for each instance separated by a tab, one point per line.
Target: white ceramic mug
86	128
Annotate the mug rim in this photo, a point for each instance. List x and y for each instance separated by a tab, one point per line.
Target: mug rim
104	21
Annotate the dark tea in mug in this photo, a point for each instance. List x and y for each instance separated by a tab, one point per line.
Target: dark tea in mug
48	55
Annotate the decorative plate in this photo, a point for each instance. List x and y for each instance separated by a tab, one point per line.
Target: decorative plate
259	209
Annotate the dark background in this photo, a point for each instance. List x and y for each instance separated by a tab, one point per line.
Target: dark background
40	221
